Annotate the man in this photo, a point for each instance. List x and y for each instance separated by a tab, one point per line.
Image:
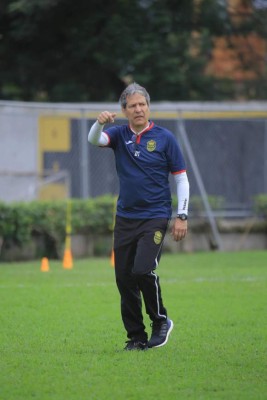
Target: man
145	154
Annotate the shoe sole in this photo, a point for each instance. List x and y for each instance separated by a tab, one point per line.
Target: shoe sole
167	336
143	348
137	349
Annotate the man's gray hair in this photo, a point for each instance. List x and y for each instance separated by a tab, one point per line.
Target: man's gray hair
132	89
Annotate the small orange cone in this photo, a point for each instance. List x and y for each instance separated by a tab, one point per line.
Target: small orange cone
112	258
67	259
44	264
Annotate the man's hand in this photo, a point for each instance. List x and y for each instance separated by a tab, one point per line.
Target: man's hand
179	229
106	117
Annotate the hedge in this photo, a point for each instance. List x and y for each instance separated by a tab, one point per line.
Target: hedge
45	221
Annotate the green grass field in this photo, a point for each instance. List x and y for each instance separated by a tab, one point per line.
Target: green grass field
61	334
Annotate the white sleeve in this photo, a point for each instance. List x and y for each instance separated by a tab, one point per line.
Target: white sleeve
96	135
182	192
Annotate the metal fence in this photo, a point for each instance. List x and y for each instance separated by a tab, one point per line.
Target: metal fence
44	151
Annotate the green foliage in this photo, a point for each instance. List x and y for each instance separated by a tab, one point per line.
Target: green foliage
20	223
163	44
260	204
7	221
93	215
196	203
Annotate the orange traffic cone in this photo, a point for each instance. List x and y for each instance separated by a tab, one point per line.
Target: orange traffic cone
67	259
44	264
112	258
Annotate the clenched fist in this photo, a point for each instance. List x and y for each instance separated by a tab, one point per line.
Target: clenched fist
106	117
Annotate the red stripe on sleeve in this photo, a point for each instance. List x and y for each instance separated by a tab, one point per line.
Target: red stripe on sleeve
178	172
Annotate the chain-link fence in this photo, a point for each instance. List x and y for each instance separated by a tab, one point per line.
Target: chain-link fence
44	152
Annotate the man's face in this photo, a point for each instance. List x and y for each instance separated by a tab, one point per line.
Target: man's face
137	112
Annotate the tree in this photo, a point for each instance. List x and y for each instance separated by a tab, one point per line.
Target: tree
60	50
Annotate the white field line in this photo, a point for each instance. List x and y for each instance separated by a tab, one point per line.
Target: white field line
170	281
59	285
216	279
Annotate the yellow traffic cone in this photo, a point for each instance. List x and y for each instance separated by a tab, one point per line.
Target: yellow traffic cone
44	265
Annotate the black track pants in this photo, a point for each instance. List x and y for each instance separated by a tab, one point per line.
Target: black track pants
137	248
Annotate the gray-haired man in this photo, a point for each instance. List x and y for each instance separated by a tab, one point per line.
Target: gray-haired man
145	155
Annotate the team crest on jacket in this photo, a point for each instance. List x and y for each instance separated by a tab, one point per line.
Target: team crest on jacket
151	145
158	237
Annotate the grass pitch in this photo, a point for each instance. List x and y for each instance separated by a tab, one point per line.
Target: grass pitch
61	333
